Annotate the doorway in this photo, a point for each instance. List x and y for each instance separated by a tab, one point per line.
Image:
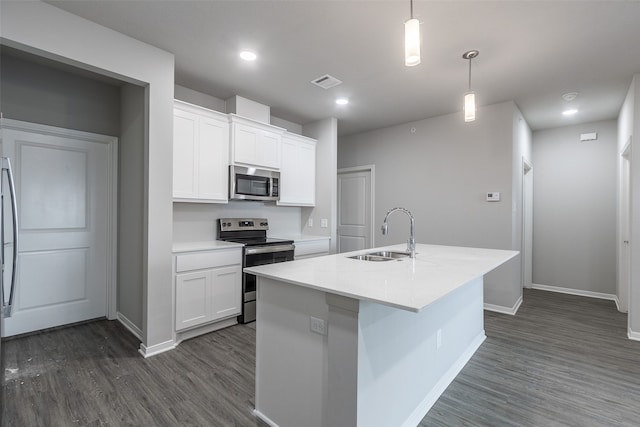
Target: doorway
66	194
355	208
527	224
624	239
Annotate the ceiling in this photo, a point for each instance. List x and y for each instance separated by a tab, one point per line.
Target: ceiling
531	52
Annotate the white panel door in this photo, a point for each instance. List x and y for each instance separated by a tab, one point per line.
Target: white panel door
62	186
354	211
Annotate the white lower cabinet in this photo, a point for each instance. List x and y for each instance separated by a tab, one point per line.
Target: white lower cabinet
208	287
311	248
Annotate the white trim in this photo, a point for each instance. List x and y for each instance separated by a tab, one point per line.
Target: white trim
112	232
137	332
112	198
578	292
432	397
372	171
201	330
264	418
633	335
156	349
504	310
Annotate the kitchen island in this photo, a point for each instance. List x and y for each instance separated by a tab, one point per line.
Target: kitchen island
348	342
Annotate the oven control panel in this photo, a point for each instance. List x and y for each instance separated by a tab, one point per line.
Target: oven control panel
238	224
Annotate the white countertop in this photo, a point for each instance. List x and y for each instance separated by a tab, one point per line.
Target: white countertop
408	284
208	245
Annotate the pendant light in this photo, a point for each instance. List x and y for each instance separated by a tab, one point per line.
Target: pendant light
470	96
412	41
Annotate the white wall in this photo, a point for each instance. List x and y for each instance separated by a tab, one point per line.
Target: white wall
441	169
196	222
574	213
326	132
629	127
44	30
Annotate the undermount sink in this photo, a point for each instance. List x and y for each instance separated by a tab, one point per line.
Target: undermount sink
367	257
390	254
381	256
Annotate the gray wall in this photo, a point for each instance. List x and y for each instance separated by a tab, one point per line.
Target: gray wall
574	208
27	25
39	93
131	206
441	169
629	127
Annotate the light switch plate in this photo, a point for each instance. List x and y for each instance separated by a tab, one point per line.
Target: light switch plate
493	196
324	223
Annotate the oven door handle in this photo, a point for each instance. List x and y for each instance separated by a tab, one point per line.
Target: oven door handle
268	249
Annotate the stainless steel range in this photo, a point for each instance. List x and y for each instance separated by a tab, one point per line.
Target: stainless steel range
258	250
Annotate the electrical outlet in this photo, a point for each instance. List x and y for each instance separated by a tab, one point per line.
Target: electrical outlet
310	222
439	338
324	223
319	326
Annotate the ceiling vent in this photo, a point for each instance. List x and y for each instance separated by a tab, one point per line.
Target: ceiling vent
326	81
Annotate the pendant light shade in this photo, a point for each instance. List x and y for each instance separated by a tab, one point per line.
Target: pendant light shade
469	106
412	41
470	96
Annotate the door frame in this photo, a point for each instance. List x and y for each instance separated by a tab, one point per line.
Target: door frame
527	168
622	298
372	171
112	199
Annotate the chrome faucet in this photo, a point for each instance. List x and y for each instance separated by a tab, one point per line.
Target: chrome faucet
411	243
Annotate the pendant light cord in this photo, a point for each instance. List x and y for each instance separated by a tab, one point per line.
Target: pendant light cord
469	74
411	9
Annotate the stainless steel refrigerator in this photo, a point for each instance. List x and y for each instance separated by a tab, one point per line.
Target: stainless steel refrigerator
8	255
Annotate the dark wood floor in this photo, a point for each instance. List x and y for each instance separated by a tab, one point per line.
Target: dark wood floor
561	361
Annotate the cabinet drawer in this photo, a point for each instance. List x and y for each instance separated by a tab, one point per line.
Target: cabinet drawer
199	261
316	247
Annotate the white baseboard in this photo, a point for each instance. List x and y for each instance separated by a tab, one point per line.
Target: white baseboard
129	325
504	310
635	336
430	399
578	292
157	348
264	418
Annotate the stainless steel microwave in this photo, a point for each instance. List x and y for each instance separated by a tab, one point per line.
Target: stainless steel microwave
246	183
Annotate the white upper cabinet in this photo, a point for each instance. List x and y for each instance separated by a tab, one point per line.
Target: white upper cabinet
200	154
298	171
254	143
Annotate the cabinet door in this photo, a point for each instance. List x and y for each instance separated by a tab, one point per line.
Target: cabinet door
307	174
193	299
227	291
269	149
245	147
297	173
185	151
213	160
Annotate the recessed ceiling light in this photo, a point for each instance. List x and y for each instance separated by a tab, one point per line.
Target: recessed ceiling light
570	96
247	55
342	101
570	112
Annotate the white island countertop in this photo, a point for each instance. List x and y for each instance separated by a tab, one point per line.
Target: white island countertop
407	284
